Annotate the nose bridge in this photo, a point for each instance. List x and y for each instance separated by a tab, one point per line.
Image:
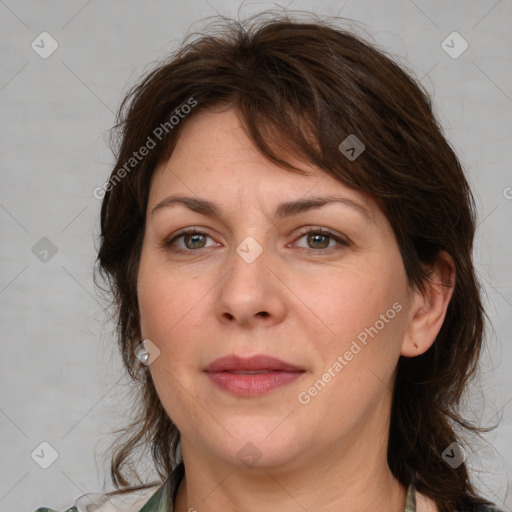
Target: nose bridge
249	293
247	277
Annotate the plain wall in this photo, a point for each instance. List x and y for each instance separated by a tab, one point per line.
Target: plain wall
61	380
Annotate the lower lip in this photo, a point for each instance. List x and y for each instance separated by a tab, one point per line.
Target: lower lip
252	384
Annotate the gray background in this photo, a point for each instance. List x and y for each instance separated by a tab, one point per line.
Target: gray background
60	378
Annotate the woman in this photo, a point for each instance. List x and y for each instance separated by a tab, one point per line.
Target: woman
287	236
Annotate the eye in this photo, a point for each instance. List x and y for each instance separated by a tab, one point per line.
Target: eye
320	240
188	241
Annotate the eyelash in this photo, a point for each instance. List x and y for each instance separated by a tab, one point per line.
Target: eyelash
342	243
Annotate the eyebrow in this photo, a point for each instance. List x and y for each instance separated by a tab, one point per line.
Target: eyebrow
287	209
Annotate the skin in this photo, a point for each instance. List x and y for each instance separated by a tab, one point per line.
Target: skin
306	309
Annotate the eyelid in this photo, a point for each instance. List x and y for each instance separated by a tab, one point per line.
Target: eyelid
341	240
168	241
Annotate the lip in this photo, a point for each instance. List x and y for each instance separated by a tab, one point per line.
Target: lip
274	373
259	362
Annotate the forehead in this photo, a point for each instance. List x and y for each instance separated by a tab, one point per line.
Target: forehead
216	171
215	160
215	145
213	148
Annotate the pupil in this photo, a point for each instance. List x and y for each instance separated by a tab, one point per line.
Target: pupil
315	239
196	239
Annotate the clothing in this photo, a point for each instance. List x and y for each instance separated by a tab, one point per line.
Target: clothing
157	498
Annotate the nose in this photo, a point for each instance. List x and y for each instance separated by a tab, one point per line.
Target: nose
250	294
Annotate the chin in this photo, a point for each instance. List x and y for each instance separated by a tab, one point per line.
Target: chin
258	443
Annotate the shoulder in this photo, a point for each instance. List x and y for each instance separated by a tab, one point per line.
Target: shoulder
128	502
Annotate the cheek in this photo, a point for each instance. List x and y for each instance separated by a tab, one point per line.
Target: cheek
368	319
366	311
175	306
166	297
170	309
361	301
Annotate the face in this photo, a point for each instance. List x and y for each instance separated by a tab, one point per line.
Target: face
319	286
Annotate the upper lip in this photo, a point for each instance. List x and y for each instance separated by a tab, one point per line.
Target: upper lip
254	363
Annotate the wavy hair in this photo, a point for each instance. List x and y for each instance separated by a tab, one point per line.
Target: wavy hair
301	87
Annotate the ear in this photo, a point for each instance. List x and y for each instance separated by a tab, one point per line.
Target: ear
428	307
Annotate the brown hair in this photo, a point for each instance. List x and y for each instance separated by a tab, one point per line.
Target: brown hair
301	87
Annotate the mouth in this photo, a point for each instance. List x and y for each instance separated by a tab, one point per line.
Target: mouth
252	376
255	372
259	363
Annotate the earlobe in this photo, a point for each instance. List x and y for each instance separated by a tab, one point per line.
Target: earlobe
428	307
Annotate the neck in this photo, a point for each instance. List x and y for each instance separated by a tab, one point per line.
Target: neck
332	473
355	479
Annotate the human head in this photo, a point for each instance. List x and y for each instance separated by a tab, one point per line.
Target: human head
301	88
